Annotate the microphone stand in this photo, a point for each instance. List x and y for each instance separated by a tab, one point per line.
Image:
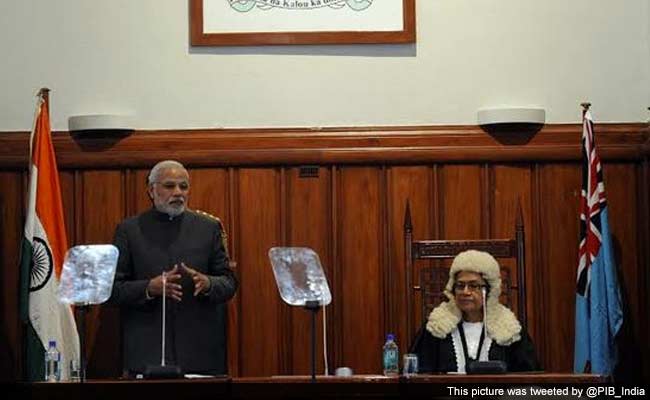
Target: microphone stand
313	306
163	370
81	311
164	314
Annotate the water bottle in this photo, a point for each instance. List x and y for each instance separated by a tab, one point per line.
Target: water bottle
52	363
391	356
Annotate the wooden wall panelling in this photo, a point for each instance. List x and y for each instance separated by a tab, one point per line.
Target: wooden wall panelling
364	204
136	197
621	191
103	205
558	238
12	203
487	199
234	306
643	224
539	260
67	182
389	303
210	192
412	184
436	222
308	221
511	186
101	208
361	275
259	229
335	278
78	189
285	311
461	201
644	239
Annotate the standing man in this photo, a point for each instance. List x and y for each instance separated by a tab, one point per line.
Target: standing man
190	248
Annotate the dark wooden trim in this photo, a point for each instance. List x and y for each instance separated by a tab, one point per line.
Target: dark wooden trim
199	38
643	201
129	178
285	314
235	306
337	309
520	244
390	323
408	266
435	210
540	298
80	228
78	207
332	248
487	207
376	145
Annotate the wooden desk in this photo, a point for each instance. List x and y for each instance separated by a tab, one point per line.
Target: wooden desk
532	378
293	387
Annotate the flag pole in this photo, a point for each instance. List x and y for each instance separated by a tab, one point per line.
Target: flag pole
42	96
585	106
81	310
599	313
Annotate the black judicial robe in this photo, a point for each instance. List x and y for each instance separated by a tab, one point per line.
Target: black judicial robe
195	327
437	355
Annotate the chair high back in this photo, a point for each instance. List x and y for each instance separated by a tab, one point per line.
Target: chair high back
433	278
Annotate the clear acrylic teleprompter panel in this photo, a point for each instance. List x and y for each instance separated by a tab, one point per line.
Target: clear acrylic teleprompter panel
299	275
88	273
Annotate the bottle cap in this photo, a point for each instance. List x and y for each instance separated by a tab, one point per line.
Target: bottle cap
390	336
52	343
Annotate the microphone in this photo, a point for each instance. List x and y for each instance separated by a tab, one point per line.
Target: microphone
486	367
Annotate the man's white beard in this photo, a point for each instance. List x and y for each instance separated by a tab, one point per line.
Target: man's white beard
170	210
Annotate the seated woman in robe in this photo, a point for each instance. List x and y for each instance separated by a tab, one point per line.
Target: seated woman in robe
454	334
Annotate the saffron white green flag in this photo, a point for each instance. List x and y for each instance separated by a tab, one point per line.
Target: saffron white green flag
44	246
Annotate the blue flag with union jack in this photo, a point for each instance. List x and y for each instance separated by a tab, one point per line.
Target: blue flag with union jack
599	314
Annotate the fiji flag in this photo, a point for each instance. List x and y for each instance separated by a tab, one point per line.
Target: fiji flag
598	302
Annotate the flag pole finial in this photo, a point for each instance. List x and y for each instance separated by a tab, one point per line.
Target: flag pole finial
44	93
585	105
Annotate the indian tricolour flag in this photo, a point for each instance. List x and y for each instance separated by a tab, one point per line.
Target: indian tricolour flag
43	249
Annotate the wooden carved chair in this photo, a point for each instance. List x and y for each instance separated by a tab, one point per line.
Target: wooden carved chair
433	276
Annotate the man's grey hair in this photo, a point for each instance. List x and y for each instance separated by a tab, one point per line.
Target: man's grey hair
154	174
